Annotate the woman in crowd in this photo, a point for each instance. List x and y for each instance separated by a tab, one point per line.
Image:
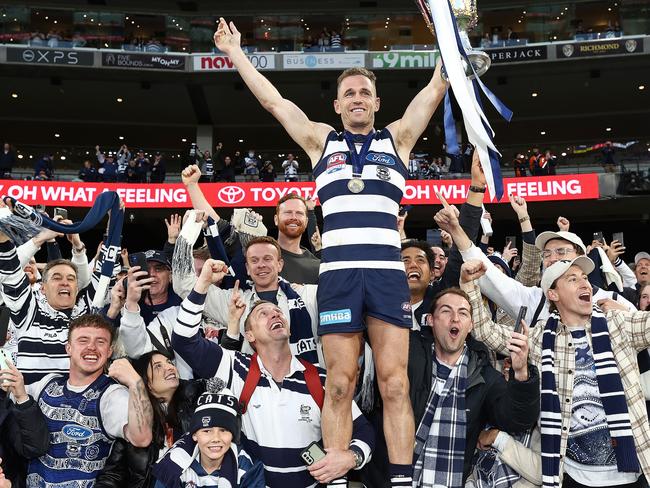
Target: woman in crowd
173	402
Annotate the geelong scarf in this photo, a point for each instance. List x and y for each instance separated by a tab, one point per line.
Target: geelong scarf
611	393
25	222
440	440
180	458
302	335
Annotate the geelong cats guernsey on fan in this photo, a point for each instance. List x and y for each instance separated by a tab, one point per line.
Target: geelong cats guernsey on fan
360	228
361	271
79	445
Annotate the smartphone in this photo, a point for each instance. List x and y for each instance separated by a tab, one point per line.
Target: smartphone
139	259
598	236
520	316
512	240
618	236
434	237
312	454
4	360
62	212
404	209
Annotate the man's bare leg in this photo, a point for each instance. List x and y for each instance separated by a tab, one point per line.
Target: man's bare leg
390	345
341	353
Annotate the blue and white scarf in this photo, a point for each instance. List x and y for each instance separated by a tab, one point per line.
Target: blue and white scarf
25	222
237	469
300	326
440	439
612	396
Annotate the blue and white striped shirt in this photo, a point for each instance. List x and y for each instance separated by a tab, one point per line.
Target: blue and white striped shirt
360	229
280	421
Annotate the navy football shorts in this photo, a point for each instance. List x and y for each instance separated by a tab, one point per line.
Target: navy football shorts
346	296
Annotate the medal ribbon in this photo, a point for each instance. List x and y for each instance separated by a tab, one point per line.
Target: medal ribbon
358	158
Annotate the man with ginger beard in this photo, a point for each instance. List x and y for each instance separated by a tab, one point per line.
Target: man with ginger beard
300	265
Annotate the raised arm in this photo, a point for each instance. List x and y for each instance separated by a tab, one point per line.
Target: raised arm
140	413
307	134
407	130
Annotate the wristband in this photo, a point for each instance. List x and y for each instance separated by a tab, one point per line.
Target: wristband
477	189
524	219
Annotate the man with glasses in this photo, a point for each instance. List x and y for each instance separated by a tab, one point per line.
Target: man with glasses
507	293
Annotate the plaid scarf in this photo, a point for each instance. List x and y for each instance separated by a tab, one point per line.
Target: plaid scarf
612	395
25	222
440	439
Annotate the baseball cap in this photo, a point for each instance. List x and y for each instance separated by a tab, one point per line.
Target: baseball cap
158	256
544	237
557	269
641	255
496	258
218	410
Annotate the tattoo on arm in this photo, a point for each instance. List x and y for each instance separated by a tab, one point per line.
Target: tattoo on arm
140	410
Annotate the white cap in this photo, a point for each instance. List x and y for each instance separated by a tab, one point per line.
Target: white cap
641	255
544	237
558	268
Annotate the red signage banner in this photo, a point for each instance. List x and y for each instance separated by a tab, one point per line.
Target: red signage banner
173	195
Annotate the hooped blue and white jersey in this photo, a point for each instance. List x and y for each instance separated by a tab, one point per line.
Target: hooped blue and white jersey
360	229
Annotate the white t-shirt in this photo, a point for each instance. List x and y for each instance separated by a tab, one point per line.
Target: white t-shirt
113	405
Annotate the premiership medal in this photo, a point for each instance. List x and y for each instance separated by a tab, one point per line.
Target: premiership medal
356	185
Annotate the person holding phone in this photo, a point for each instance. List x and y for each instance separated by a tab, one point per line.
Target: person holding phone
594	422
464	390
283	401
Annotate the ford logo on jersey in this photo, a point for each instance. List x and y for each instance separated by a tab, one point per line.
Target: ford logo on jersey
76	432
381	159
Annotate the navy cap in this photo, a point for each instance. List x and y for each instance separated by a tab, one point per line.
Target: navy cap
158	256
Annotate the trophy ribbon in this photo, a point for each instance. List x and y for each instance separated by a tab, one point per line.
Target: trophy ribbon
439	15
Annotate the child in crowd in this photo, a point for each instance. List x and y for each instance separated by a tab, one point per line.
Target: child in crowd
208	455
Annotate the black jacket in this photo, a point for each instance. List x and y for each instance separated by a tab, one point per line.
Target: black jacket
130	466
23	436
511	406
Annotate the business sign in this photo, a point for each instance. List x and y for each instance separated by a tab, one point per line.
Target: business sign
143	61
323	61
404	60
221	62
600	48
47	56
420	192
518	54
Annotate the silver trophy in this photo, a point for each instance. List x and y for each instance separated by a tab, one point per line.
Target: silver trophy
466	15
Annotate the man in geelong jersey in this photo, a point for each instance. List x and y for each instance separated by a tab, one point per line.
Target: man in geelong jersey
360	178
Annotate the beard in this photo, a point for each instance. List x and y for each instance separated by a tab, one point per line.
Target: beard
292	231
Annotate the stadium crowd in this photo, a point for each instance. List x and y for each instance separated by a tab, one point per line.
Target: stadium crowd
230	358
192	316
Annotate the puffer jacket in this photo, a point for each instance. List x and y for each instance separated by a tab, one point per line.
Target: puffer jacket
131	466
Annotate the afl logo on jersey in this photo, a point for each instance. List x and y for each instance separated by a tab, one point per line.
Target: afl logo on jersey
336	162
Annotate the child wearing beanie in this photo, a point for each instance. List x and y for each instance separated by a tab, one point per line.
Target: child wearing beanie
208	455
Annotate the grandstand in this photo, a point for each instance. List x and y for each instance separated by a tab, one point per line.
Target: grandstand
574	73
